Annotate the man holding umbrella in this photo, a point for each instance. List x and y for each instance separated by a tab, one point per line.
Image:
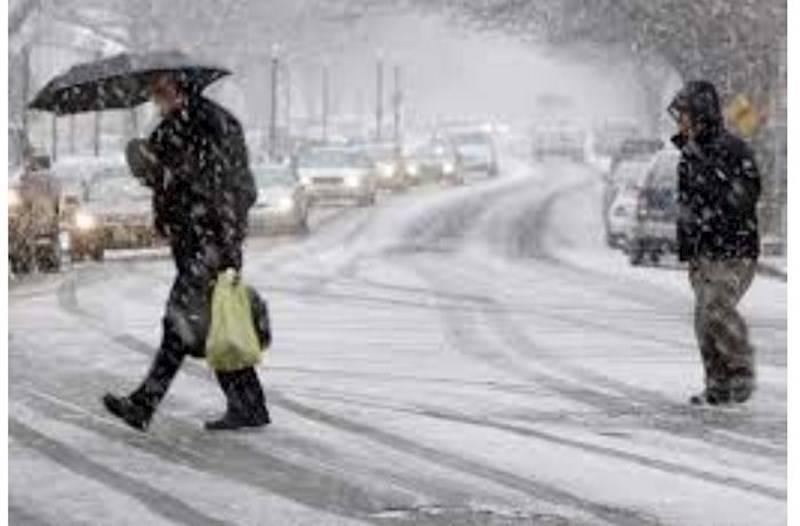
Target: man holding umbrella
196	162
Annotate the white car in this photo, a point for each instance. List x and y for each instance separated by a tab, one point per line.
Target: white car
331	174
391	168
281	204
620	200
654	231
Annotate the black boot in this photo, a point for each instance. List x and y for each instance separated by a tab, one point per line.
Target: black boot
135	415
742	387
246	407
711	397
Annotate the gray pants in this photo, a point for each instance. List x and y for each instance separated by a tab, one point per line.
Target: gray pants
720	329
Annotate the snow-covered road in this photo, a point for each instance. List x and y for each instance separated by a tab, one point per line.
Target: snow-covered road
469	356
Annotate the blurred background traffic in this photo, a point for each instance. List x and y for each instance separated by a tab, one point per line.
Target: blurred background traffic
346	102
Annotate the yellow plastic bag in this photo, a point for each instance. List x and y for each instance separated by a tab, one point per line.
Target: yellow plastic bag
232	342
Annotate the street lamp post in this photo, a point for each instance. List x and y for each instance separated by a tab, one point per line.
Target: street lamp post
97	121
397	100
288	99
273	104
325	100
379	98
54	137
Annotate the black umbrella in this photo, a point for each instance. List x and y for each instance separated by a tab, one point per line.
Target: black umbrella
121	81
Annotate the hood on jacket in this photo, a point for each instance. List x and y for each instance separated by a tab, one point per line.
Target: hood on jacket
700	100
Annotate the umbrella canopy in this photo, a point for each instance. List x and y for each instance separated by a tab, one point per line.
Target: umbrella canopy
121	81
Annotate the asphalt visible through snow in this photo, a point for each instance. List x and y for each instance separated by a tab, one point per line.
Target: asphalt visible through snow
465	356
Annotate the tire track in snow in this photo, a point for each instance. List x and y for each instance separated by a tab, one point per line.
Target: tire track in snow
159	502
619	516
613	404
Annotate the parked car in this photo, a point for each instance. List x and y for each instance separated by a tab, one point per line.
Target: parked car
330	174
653	231
436	161
117	213
619	200
282	204
476	152
36	239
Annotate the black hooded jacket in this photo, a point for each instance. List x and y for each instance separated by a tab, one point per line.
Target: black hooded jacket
718	183
202	184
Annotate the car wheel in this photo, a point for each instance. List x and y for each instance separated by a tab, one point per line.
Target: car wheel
21	260
636	256
49	259
98	253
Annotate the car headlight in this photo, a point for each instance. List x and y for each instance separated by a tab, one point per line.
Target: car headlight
352	181
305	180
412	169
448	167
386	169
285	204
14	199
85	221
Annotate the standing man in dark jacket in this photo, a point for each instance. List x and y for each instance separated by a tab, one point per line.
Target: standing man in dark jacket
718	189
197	165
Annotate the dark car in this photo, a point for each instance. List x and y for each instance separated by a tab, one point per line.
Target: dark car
36	238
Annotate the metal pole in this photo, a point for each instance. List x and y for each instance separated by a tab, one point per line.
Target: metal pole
397	99
54	137
379	99
273	105
325	100
72	134
134	122
97	122
26	86
288	102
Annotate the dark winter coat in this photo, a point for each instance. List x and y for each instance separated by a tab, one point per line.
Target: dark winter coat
718	185
202	184
197	165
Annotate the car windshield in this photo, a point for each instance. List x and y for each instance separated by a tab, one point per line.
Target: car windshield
333	159
269	176
114	189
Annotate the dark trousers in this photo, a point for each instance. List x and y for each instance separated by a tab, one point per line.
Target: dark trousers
242	388
185	325
721	331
